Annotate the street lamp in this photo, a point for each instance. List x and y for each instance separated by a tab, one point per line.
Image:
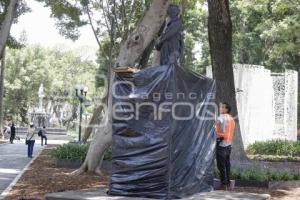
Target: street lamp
81	91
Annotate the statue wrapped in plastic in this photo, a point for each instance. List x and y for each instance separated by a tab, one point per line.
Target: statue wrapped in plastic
163	127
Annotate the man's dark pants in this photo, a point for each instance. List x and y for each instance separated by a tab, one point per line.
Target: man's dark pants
12	137
30	147
223	163
42	139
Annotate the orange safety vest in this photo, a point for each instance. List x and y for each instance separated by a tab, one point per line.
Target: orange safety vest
228	132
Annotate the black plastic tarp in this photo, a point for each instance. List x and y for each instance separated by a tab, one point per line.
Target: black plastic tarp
163	133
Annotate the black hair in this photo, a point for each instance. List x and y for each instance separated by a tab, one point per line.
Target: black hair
227	106
44	126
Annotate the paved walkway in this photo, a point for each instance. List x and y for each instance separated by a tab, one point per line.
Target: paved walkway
13	159
100	194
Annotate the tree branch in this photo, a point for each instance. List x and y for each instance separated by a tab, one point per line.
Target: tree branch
6	25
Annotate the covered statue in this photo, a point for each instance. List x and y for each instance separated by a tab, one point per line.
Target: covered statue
163	126
170	44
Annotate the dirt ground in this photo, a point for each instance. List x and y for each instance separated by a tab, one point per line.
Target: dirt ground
44	177
284	194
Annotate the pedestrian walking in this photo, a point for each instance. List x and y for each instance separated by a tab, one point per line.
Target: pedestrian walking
12	133
7	131
30	140
43	134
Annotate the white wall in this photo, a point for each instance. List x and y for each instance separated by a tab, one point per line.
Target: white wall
267	103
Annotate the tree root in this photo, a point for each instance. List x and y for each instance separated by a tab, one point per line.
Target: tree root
79	171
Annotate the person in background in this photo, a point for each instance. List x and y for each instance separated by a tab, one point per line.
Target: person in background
30	139
12	133
7	131
44	135
225	126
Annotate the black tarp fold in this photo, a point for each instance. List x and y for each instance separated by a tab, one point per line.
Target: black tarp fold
163	133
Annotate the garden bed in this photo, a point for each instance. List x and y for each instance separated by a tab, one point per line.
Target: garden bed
65	163
275	148
259	184
267	184
72	156
75	164
43	176
272	158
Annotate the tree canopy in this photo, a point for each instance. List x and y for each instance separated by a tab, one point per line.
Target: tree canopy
22	8
265	32
59	72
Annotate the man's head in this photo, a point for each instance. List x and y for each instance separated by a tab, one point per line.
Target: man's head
44	127
225	108
31	125
173	10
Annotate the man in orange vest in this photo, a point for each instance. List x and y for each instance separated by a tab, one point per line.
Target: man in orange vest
225	126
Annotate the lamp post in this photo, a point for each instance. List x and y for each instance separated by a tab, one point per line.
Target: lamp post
81	91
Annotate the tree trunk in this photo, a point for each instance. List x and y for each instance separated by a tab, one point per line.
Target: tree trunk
2	93
220	41
4	34
6	25
95	121
130	54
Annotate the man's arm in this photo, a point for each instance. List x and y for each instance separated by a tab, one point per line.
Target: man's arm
27	134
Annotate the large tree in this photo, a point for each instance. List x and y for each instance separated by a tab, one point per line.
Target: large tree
131	51
9	13
111	22
220	41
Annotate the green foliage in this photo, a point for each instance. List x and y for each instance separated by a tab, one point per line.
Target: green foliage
22	8
195	35
274	158
108	154
59	72
103	63
112	22
275	147
267	32
69	14
256	174
70	152
75	152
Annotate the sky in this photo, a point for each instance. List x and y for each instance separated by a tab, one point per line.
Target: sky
40	29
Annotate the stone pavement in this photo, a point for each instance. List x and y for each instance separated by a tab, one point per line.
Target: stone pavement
13	159
100	194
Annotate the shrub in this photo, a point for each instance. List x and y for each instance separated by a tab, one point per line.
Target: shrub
255	174
273	158
275	147
75	152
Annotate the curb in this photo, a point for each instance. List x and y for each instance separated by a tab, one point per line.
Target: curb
13	183
4	143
